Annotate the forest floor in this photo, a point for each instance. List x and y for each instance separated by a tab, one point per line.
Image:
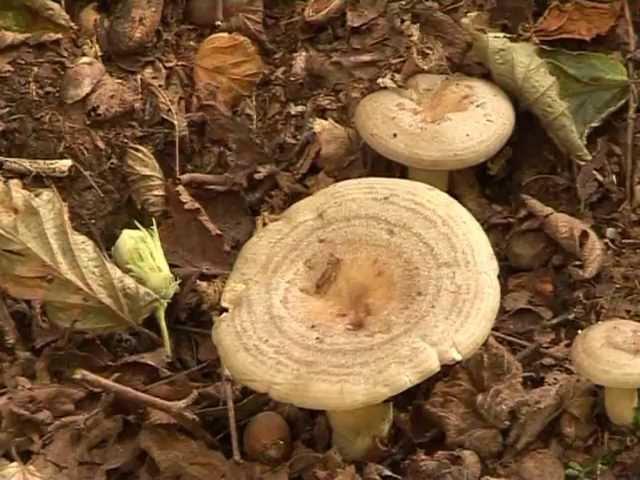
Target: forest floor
237	157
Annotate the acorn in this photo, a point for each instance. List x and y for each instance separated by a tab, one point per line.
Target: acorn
267	439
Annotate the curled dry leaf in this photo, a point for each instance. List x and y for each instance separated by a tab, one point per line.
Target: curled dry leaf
575	236
43	258
146	179
131	26
229	63
337	145
80	79
582	19
569	92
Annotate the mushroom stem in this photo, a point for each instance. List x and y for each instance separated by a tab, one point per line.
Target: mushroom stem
621	404
356	433
435	178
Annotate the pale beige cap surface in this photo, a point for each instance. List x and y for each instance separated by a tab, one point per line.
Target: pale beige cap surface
608	353
438	122
357	293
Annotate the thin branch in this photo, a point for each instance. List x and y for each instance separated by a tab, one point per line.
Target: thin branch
630	168
231	412
178	410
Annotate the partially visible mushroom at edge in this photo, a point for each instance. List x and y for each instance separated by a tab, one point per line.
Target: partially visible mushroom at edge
608	354
437	124
354	295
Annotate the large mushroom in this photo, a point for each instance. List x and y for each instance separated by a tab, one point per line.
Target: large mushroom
354	295
608	354
437	124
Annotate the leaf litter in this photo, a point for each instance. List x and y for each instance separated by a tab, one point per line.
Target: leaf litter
214	149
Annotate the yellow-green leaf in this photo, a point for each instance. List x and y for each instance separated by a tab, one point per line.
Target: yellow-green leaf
43	258
569	92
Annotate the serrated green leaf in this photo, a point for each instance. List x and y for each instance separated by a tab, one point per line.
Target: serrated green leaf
43	258
593	84
569	92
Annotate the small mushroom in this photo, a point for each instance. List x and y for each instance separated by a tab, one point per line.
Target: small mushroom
437	124
355	294
608	354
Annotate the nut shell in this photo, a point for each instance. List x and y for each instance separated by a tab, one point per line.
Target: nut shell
267	439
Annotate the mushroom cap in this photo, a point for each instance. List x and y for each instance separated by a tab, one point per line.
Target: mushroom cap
608	353
440	122
357	293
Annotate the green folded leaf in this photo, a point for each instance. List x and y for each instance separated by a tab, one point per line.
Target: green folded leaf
43	258
569	92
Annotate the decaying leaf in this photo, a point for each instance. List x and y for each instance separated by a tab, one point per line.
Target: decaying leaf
229	63
131	27
51	10
569	92
81	78
582	19
478	399
178	455
43	258
12	39
146	179
573	235
542	405
191	240
444	465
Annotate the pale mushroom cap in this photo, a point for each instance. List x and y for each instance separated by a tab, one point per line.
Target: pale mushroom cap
608	353
439	122
403	258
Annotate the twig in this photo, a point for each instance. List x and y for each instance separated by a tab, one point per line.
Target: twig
528	345
28	166
178	410
629	167
231	412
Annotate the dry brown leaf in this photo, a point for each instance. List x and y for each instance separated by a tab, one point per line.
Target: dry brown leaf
179	455
229	63
575	236
51	11
146	179
190	239
542	405
43	258
455	465
581	19
81	78
539	464
131	26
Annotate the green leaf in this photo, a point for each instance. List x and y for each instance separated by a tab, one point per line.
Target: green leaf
593	84
33	16
43	258
569	92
